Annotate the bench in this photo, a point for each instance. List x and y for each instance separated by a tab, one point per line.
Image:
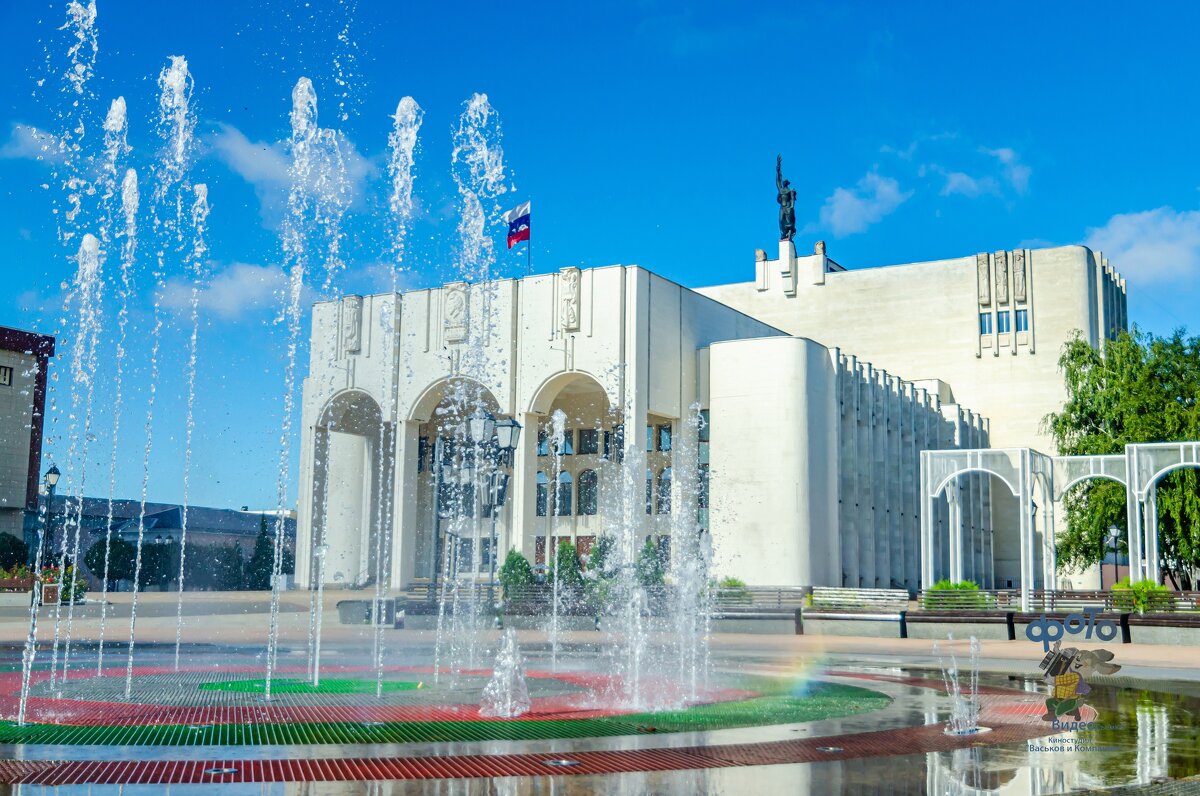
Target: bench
876	603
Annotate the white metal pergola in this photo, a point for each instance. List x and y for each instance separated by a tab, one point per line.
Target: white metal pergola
1030	475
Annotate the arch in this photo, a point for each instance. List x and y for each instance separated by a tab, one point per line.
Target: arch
351	411
549	389
563	495
1153	480
431	397
586	502
1086	476
966	470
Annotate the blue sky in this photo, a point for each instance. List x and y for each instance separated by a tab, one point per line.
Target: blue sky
643	133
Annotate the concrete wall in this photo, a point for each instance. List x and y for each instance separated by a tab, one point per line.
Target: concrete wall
921	321
17	401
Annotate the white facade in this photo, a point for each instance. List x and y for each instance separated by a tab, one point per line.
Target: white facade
809	448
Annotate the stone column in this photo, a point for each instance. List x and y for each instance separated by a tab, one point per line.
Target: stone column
522	492
1153	570
405	504
635	398
1133	515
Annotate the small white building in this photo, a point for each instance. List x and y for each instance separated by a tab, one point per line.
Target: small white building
784	416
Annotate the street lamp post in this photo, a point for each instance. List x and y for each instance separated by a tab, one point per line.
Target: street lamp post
1114	535
50	480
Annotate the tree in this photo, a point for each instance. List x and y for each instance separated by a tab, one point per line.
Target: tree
651	569
1140	388
516	571
566	564
600	562
13	551
121	559
262	561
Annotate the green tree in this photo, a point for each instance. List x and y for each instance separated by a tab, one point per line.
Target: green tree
262	561
1140	388
651	569
516	571
13	551
566	564
121	555
231	568
600	561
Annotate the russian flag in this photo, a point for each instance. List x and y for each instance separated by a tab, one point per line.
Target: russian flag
518	224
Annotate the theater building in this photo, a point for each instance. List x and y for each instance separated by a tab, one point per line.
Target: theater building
782	416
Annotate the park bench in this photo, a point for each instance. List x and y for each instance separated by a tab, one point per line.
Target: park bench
838	603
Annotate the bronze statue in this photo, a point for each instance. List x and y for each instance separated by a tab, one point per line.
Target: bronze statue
787	202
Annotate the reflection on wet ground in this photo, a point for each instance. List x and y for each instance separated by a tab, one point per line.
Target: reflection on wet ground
1144	738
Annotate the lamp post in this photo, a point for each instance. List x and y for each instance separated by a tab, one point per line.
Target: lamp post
506	434
50	480
1114	536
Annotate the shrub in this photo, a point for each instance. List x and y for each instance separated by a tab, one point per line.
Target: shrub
650	568
947	594
516	571
13	551
566	564
1135	596
733	590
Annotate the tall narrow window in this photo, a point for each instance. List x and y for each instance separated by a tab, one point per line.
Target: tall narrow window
664	491
1022	320
588	483
1003	322
562	503
649	439
664	437
985	323
649	491
543	448
543	493
702	433
5	376
422	453
568	442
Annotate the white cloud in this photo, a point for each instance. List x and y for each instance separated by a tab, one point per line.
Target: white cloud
1016	173
958	182
266	166
230	294
851	210
30	143
1161	245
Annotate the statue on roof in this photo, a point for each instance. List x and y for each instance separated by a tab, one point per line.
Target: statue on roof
787	202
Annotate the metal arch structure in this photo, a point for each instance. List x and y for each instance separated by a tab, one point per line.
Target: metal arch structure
1030	474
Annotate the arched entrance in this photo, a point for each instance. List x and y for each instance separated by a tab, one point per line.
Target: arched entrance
352	485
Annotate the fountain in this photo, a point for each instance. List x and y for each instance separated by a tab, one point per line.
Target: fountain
506	695
964	703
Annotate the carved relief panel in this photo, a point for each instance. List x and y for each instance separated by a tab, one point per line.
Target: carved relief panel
352	307
1001	260
569	299
1018	269
984	280
454	311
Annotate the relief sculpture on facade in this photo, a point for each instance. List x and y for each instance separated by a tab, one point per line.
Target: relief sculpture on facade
569	298
985	283
352	324
455	298
1019	275
1001	259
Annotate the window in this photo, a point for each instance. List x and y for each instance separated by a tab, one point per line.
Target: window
589	441
649	491
466	550
664	491
467	500
1003	322
422	453
587	492
702	431
568	446
1022	320
543	493
5	376
562	502
664	438
614	444
702	486
649	439
485	554
543	448
985	323
447	492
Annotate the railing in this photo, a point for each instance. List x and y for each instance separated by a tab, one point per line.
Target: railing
1119	601
537	598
